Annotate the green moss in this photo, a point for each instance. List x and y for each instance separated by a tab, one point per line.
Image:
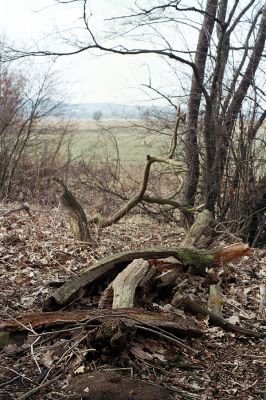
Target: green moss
195	257
7	338
4	339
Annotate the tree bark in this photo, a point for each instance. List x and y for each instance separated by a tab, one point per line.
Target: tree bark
217	164
191	142
130	316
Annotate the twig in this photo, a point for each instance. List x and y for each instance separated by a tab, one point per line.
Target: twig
33	355
9	382
18	373
166	336
215	319
24	207
35	390
63	355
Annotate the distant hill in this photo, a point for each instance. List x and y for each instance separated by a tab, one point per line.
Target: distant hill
109	110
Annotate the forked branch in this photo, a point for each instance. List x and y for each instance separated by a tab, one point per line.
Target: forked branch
78	217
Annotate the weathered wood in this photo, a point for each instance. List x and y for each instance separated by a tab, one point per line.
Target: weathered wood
79	223
215	301
125	284
262	307
200	227
131	316
195	307
167	278
198	258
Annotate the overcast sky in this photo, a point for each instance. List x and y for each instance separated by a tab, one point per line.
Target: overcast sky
87	78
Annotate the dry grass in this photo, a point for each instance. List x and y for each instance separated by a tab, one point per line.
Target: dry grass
106	138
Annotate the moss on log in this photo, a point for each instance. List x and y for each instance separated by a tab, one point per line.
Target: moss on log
200	259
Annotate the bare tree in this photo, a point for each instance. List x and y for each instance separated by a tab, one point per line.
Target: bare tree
25	132
97	115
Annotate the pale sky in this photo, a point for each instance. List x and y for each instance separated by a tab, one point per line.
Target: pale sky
89	77
86	78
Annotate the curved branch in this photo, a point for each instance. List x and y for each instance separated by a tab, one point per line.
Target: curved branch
161	201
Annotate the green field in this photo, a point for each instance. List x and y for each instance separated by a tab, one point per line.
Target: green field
110	138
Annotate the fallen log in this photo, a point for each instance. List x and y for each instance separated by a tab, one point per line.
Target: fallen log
195	307
63	295
200	259
130	316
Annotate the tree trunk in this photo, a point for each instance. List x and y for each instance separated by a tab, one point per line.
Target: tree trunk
191	141
215	170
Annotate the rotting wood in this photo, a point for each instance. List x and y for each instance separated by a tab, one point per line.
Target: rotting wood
106	299
200	259
130	316
126	282
111	337
79	223
199	229
232	253
195	307
215	301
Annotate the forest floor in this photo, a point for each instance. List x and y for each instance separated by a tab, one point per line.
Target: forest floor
37	251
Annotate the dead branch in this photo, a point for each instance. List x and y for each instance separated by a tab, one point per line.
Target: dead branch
125	284
130	316
200	259
232	253
195	307
23	207
170	202
77	214
168	159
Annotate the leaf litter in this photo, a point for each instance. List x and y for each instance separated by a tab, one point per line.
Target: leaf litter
37	254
